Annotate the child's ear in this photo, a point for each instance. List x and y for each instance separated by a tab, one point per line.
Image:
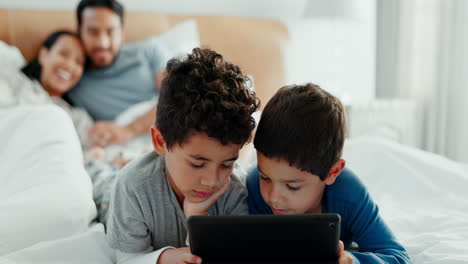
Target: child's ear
159	143
335	171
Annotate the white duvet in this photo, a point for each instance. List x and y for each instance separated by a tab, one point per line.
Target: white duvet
45	193
46	202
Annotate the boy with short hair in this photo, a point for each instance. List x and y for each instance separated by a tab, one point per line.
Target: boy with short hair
299	143
203	120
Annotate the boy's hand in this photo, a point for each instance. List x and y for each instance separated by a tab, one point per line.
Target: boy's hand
178	256
201	208
343	256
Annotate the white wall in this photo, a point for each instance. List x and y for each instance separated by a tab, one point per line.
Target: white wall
332	41
337	52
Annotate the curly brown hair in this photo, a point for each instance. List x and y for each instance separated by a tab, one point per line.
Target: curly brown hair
204	93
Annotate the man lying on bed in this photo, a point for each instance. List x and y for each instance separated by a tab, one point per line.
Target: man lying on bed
116	76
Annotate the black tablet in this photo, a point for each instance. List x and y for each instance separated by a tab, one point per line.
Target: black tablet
265	238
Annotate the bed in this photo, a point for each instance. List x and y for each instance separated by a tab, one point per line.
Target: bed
46	197
422	196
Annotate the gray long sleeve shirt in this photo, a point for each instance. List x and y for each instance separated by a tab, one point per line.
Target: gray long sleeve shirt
144	214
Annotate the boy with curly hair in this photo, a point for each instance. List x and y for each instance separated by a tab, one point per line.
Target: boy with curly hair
203	120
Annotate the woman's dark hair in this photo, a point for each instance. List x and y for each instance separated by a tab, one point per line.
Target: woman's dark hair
111	4
305	126
204	93
33	68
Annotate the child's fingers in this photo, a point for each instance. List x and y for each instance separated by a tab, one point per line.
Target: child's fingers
190	258
340	247
215	196
200	208
343	257
223	189
219	193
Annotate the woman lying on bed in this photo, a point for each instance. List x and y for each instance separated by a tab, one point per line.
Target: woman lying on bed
56	69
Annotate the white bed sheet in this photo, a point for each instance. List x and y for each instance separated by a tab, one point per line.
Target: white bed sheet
88	247
422	196
45	193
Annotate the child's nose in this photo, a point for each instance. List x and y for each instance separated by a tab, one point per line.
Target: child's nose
211	180
274	195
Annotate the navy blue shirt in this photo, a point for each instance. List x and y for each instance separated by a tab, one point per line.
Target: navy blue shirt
360	219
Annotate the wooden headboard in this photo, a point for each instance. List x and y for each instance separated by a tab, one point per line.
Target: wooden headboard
258	46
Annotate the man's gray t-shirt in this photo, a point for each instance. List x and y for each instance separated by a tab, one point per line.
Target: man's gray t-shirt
130	79
144	214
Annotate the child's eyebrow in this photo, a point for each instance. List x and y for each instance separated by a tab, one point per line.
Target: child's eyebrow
294	181
232	159
264	174
198	157
284	181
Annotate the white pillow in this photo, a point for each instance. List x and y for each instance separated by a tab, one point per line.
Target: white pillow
180	39
45	192
11	56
